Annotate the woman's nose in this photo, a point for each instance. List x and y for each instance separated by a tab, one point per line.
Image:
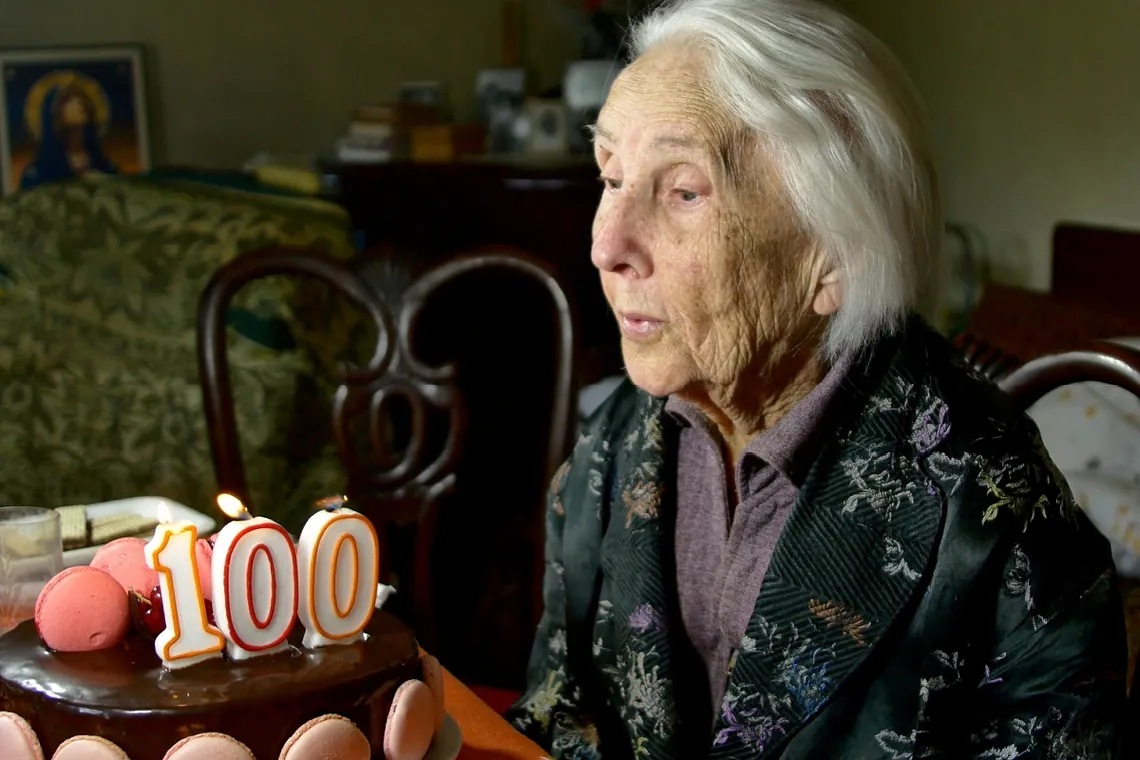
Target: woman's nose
620	236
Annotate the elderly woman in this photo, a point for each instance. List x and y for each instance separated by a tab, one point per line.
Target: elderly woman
803	529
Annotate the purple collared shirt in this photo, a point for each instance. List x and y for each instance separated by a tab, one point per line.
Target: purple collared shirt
722	555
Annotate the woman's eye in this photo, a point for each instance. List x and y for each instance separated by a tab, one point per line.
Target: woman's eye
611	183
688	196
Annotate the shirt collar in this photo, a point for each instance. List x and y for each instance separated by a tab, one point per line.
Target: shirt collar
788	445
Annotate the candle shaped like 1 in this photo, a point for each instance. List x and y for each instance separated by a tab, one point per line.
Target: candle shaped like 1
338	561
254	577
188	638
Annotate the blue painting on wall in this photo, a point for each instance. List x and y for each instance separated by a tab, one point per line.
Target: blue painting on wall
67	113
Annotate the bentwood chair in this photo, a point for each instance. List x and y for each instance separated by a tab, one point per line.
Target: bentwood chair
402	424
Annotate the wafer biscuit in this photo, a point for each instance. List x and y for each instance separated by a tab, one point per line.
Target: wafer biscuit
125	525
73	526
107	518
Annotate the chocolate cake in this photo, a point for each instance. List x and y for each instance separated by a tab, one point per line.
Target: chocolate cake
125	696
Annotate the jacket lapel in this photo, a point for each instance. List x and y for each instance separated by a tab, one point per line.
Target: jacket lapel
853	555
638	632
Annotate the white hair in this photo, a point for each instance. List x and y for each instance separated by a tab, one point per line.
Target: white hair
842	122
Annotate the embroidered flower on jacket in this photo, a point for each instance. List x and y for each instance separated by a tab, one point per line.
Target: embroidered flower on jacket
931	429
836	615
806	679
559	478
642	500
1014	496
646	692
899	746
748	725
877	484
556	647
540	703
1066	505
645	619
654	434
576	739
1018	577
989	679
556	484
594	481
894	560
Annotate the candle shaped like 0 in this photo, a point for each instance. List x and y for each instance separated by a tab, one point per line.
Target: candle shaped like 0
188	638
254	577
338	559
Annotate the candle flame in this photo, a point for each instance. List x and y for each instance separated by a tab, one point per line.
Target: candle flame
163	514
232	507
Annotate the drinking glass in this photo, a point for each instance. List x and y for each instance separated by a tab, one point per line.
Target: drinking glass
31	552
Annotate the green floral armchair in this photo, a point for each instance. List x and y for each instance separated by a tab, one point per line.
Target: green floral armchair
99	393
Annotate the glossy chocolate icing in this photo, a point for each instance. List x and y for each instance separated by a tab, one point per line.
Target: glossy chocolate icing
125	695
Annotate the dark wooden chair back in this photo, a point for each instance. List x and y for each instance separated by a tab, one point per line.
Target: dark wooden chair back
987	359
392	487
1101	362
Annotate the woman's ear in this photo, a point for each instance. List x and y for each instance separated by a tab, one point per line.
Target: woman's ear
828	295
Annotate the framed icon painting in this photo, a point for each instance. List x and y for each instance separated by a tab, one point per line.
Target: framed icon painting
71	112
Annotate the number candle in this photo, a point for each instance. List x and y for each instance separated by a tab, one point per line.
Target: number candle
338	561
254	576
188	637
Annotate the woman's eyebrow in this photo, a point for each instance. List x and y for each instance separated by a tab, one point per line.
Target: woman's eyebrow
680	140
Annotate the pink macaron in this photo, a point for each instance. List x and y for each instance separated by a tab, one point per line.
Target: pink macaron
210	746
81	610
17	739
433	677
204	554
89	748
411	722
125	560
330	737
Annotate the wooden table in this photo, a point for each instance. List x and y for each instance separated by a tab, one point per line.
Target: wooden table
486	736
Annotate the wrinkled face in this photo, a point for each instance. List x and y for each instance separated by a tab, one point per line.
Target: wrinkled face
700	255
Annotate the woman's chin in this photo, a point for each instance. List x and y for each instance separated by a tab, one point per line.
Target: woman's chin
656	375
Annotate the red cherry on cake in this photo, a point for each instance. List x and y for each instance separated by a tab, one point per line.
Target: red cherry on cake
138	605
150	611
151	615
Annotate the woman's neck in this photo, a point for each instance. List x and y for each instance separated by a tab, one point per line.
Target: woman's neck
756	401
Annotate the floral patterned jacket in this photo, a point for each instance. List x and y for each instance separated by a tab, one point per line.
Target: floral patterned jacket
935	592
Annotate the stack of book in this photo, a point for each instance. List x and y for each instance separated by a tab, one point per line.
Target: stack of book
380	132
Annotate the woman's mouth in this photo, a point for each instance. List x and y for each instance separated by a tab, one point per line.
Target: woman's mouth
638	326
